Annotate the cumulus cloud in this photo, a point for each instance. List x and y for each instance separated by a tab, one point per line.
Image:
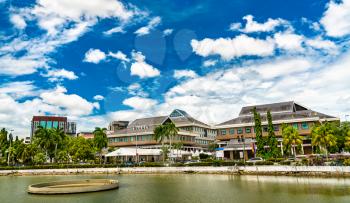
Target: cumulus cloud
154	22
336	19
184	74
94	56
60	74
229	48
98	97
140	102
118	29
18	21
289	41
119	55
19	89
253	26
208	63
319	43
167	32
142	69
13	66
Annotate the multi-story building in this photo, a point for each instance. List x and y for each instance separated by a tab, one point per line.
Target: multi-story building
53	122
194	135
117	125
237	136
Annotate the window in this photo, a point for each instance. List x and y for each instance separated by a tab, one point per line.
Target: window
232	131
49	124
43	124
295	125
55	124
248	130
265	129
131	139
240	131
304	126
223	132
276	128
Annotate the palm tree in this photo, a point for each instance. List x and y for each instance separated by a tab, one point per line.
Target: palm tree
100	140
178	146
323	137
347	140
291	138
159	134
43	138
58	136
171	131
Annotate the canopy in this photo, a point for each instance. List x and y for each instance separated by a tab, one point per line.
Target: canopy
128	151
179	153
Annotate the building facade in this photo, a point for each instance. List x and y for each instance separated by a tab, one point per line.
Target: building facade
237	136
194	135
49	122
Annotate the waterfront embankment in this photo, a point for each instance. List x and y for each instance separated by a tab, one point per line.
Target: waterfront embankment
330	171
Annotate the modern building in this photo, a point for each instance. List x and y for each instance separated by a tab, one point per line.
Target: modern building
49	122
237	136
195	135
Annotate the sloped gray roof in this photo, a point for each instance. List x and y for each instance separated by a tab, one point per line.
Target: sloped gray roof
148	121
185	119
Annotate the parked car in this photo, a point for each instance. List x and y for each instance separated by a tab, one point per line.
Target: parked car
254	160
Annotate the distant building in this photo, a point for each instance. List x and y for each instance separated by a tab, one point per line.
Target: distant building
195	135
86	135
117	125
49	122
237	136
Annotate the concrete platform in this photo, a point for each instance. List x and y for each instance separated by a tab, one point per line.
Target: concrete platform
74	186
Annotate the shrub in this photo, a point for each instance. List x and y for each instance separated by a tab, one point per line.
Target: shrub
261	163
346	162
203	156
151	164
286	163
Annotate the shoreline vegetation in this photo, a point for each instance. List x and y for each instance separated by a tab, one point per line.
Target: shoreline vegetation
323	171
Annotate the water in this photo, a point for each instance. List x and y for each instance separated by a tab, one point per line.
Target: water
189	188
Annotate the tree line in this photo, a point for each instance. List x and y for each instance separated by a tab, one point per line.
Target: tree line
326	137
51	145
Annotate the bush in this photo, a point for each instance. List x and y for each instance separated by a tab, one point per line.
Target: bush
261	163
286	163
203	156
151	164
346	162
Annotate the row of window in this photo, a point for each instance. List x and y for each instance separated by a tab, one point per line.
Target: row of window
142	127
204	142
49	124
147	138
232	131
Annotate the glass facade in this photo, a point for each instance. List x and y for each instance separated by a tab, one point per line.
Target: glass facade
55	124
248	130
49	124
232	131
240	131
223	132
304	126
43	124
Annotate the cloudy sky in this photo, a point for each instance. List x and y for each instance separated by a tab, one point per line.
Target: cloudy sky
101	60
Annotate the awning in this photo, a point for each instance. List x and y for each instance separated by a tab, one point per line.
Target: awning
126	151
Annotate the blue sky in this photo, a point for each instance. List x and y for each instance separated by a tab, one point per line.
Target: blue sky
101	60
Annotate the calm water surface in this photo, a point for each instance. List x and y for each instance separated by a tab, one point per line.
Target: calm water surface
189	188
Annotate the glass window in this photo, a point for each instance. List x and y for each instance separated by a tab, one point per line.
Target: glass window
131	139
49	124
223	132
276	128
265	129
305	126
43	124
55	124
232	131
239	130
248	130
295	125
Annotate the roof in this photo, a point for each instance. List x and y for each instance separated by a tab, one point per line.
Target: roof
49	118
279	111
180	117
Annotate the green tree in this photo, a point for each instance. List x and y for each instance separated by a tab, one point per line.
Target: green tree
39	158
43	138
81	149
291	138
159	134
323	137
347	141
57	135
4	143
178	146
260	143
100	140
271	139
171	131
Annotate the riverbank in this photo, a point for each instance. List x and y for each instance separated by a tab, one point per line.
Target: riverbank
328	171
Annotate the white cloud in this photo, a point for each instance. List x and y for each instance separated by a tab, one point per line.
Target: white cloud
289	41
118	29
167	32
154	22
319	43
94	56
142	69
71	104
19	66
336	19
119	55
227	48
184	74
208	63
98	97
253	26
60	74
18	21
140	102
19	89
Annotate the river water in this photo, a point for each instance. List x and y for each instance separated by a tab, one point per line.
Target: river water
188	188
